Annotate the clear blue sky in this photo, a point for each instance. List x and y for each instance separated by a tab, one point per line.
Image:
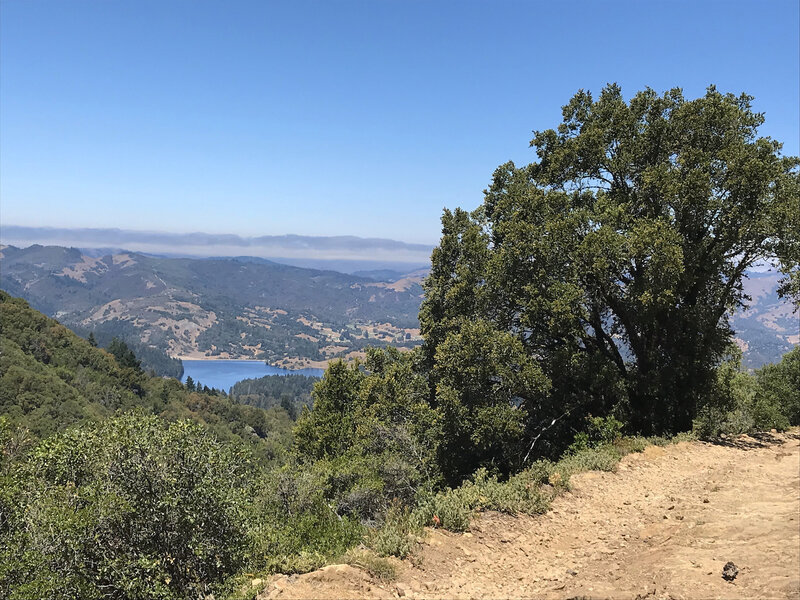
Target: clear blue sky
335	117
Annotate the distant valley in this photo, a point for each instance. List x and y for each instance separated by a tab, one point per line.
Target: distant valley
289	316
217	308
769	327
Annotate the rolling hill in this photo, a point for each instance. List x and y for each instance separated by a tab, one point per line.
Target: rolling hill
51	379
289	316
769	327
223	308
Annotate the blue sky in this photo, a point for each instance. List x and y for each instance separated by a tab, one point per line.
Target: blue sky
335	117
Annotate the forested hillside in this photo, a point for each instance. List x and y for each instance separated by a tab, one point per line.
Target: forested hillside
225	308
51	380
288	316
292	392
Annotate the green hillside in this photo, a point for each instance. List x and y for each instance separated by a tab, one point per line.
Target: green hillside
288	316
292	392
51	379
225	308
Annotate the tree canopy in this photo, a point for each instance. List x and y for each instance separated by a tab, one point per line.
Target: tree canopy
616	257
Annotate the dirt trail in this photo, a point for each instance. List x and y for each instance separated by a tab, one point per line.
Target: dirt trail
662	526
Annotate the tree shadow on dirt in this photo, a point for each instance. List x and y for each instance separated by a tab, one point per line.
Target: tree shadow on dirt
754	441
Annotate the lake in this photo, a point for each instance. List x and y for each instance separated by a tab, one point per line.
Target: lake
222	374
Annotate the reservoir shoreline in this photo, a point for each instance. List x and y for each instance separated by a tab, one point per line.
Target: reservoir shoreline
222	374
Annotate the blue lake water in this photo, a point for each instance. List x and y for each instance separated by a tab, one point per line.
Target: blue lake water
222	374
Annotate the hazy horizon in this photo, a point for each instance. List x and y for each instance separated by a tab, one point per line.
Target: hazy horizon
350	252
323	119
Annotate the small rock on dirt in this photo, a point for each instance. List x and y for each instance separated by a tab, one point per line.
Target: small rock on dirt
571	572
729	571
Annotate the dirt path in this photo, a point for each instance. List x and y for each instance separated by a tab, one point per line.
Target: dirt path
662	526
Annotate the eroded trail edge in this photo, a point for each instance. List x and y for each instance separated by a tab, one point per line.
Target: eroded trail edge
662	526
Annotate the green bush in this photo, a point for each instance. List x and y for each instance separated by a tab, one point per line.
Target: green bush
742	403
767	413
521	493
453	508
397	536
130	508
599	458
599	430
779	390
628	445
449	509
293	526
302	541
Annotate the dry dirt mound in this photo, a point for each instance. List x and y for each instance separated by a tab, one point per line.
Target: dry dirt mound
664	525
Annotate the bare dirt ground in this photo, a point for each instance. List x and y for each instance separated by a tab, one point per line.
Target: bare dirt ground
662	526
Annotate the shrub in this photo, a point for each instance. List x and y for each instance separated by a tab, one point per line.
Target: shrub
599	430
379	567
452	509
628	445
294	528
767	413
448	509
779	390
742	403
397	536
599	458
132	508
521	493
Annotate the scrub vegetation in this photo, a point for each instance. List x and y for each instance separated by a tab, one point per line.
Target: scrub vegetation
580	314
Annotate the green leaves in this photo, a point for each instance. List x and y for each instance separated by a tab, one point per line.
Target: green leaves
328	429
133	507
616	258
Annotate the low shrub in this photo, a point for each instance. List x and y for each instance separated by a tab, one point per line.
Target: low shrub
379	567
131	508
599	431
453	508
398	534
448	509
294	527
599	458
629	445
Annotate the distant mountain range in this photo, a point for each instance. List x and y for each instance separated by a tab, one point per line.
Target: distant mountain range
246	307
225	307
339	253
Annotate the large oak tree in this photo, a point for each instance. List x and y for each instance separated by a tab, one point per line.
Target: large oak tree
616	257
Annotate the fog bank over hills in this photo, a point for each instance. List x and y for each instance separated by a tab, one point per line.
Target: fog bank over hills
340	253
